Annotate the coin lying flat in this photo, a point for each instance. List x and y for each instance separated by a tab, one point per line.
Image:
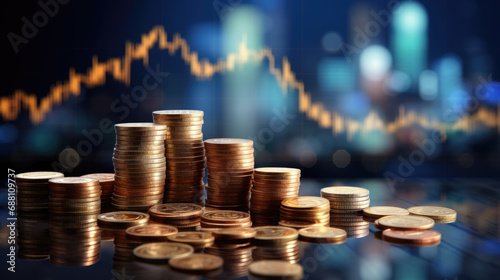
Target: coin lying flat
404	222
322	235
438	214
412	237
197	239
148	233
122	219
275	234
234	233
342	191
162	251
276	269
197	263
382	211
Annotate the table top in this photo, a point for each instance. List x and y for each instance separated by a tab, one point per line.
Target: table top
469	248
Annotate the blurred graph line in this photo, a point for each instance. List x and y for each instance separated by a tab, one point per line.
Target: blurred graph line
119	69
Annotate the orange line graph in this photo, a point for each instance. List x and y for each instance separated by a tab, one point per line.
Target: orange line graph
119	69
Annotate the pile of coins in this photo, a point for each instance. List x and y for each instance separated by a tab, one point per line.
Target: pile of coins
408	230
185	154
197	239
304	211
75	238
275	269
33	190
117	222
346	209
234	245
271	185
184	216
225	219
276	243
107	182
33	238
437	213
139	160
230	164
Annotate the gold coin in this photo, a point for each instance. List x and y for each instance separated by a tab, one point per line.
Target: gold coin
412	237
275	233
176	210
438	214
197	263
153	232
226	216
38	176
162	251
342	191
277	171
322	235
178	113
193	238
229	142
139	126
122	219
405	222
276	269
305	202
234	233
71	181
381	211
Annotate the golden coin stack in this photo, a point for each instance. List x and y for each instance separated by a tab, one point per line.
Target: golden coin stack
118	222
139	160
230	164
185	154
234	246
33	190
276	243
225	219
346	209
75	238
437	213
184	216
33	238
107	182
271	185
304	211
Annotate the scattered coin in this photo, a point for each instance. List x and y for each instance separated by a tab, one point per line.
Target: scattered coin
438	214
412	237
162	251
150	233
404	222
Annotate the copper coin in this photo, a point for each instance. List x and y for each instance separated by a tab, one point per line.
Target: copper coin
405	222
411	236
197	263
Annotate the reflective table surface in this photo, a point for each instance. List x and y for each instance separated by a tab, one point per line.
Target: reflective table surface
469	248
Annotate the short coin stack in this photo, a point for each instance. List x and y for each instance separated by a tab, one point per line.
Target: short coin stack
276	243
33	190
230	164
107	182
304	211
185	154
225	219
346	209
75	237
139	160
271	185
234	246
184	216
197	239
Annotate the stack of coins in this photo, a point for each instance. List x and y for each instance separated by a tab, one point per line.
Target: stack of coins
438	214
276	243
304	211
275	269
234	246
75	238
230	164
271	185
117	222
184	216
150	233
346	209
139	160
33	238
107	182
371	214
225	219
185	154
33	190
197	239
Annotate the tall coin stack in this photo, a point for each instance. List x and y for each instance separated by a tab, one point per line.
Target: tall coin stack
75	238
346	209
304	211
107	182
230	164
33	190
185	154
139	160
271	185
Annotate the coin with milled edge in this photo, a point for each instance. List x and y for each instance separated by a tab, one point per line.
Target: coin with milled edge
152	232
381	211
405	222
323	235
122	219
438	214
